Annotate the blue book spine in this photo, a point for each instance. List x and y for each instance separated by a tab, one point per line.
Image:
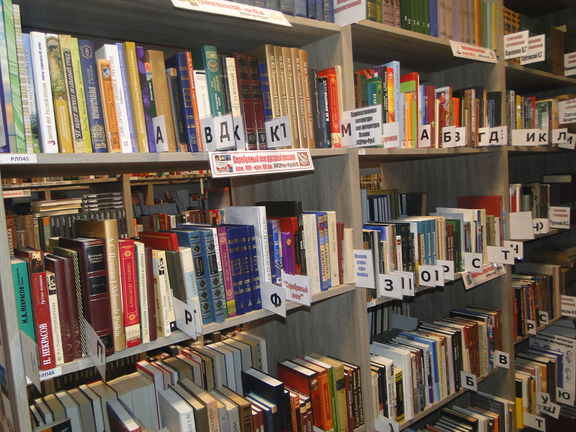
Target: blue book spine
432	345
287	7
277	249
92	92
311	9
179	63
265	88
216	280
253	262
147	100
319	10
323	252
127	97
238	276
273	4
194	241
433	17
323	103
300	7
328	11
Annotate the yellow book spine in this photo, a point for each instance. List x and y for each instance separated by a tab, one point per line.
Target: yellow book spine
136	95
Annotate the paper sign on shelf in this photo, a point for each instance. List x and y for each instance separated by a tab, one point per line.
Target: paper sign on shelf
560	136
278	133
362	127
570	143
495	136
559	217
30	359
531	327
473	261
567	111
364	265
235	163
535	422
407	283
448	268
500	255
570	63
222	134
346	130
239	133
185	320
297	288
96	349
390	286
516	247
273	298
516	45
473	52
501	359
160	133
536	50
521	226
237	10
488	272
543	317
469	380
17	159
541	225
430	275
391	135
453	136
546	406
424	136
51	373
568	306
529	137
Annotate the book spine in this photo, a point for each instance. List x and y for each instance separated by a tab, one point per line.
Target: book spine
10	40
148	109
129	292
109	106
79	83
161	291
42	321
141	280
177	108
325	123
257	102
305	82
21	284
202	279
216	282
44	100
288	253
134	95
243	70
9	144
55	318
255	275
299	95
150	294
290	95
188	114
24	83
59	95
33	111
227	272
213	79
91	88
265	86
124	90
72	96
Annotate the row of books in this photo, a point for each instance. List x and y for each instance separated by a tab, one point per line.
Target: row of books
408	375
214	387
404	99
125	288
322	10
472	21
532	197
387	204
483	413
123	98
528	112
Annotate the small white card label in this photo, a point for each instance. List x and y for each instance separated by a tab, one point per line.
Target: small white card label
469	380
50	373
567	111
391	135
273	298
516	247
531	327
559	217
363	126
278	133
96	349
521	226
565	396
407	283
570	143
391	285
568	306
559	136
541	225
297	288
30	358
223	132
472	262
501	359
516	45
535	422
546	406
239	133
364	265
536	50
496	136
346	131
160	133
17	159
500	255
242	163
543	317
447	268
454	137
185	320
424	136
529	137
570	64
473	52
427	275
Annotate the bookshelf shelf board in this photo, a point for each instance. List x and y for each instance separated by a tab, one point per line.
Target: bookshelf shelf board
522	78
59	184
377	43
551	233
521	339
440	404
529	150
157	22
178	336
400	154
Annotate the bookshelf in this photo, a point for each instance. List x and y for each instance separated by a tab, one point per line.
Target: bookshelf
336	323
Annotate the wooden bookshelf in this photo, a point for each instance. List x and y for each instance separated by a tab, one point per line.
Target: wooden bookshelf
521	339
526	79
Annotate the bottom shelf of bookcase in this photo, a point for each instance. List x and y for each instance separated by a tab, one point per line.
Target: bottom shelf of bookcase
178	336
520	339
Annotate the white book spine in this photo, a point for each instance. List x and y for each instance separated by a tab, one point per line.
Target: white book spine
202	98
233	87
161	291
44	103
110	52
217	248
142	291
311	248
333	247
188	272
55	318
264	249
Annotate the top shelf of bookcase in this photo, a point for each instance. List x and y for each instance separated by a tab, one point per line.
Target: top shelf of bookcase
525	79
157	22
535	8
377	43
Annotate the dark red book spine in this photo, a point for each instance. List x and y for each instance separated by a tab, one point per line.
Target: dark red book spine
257	102
226	271
130	305
42	323
333	104
151	295
246	101
160	240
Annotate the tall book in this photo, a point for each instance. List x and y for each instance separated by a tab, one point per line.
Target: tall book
79	82
134	85
148	105
334	106
92	95
21	284
24	80
129	285
108	106
54	317
206	58
108	231
32	107
9	144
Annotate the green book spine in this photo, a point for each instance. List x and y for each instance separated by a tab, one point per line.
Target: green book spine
24	88
23	298
208	57
426	20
